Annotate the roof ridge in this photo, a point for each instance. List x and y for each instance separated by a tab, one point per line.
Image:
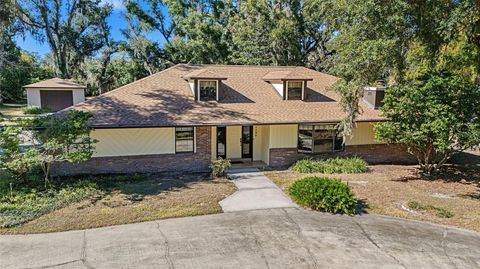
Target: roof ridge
54	80
246	65
136	81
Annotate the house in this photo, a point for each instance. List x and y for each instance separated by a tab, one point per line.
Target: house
185	116
54	94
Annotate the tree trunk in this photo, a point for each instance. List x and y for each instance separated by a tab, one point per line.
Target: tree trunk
46	173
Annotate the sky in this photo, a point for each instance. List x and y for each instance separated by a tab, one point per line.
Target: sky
116	22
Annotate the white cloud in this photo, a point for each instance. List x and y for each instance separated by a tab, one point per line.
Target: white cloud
116	4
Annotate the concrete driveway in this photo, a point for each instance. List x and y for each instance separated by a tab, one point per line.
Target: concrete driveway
273	238
255	191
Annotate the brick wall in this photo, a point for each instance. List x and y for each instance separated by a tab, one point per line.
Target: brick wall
195	162
373	154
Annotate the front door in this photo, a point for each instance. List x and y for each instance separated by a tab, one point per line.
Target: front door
247	141
222	142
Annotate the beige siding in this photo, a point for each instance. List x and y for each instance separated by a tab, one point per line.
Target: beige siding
134	141
234	146
257	143
283	136
265	147
363	134
214	143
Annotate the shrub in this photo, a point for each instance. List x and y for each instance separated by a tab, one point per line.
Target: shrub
33	110
219	167
331	166
325	194
19	206
16	161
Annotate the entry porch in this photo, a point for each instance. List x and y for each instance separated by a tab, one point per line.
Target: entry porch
249	145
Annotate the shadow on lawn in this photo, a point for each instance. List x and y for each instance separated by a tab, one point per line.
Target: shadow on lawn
463	168
362	207
473	195
136	187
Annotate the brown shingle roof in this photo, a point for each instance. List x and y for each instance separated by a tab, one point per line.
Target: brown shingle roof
204	74
295	74
55	83
165	99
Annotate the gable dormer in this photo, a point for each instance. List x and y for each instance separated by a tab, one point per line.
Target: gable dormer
205	85
289	84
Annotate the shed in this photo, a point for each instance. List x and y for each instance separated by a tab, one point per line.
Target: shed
54	94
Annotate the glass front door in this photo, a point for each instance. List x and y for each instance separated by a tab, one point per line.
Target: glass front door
247	141
222	142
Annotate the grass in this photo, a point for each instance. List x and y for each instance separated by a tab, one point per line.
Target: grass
12	109
33	110
438	211
132	198
385	188
331	166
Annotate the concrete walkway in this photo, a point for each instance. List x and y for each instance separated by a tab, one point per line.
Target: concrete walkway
271	238
255	191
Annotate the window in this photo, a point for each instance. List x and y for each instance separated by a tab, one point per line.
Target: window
184	139
207	90
294	90
319	139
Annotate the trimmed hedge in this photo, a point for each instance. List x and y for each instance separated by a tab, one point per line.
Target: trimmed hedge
331	166
324	194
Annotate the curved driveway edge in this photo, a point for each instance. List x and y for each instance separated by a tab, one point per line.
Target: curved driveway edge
273	238
255	191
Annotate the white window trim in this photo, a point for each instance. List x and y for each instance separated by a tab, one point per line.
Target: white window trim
198	88
303	88
194	139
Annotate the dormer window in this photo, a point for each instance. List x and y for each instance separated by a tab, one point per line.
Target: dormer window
290	83
295	90
205	84
208	90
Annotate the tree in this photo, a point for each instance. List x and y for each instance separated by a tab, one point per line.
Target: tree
74	29
120	70
15	160
8	28
200	31
144	52
381	40
463	23
436	116
25	69
280	33
193	31
370	43
94	69
62	138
